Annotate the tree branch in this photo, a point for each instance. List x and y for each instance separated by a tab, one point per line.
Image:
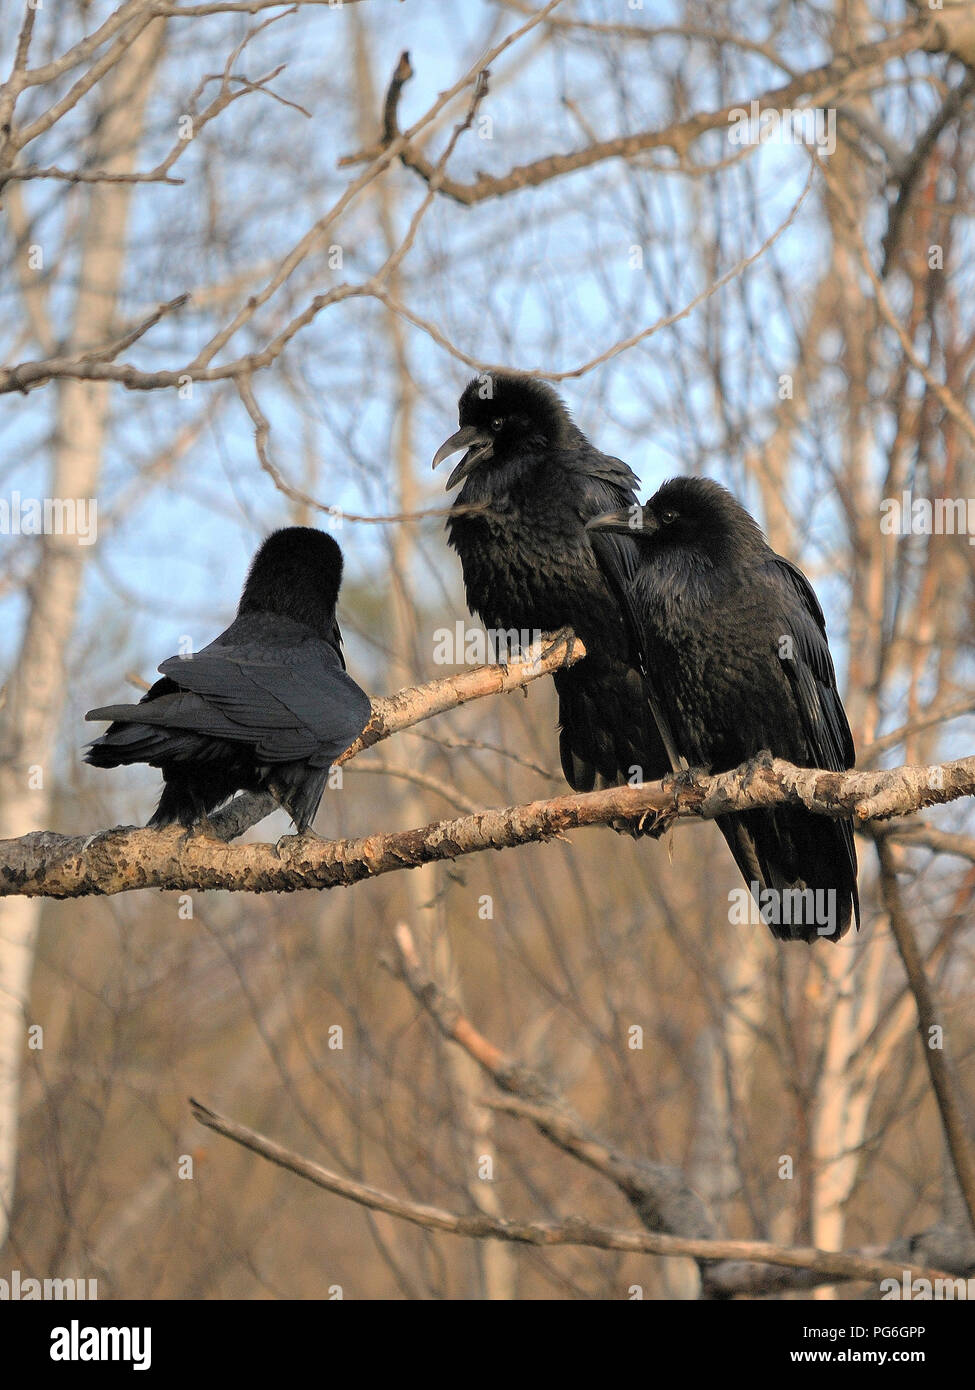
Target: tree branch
570	1232
943	1083
657	1192
43	864
678	136
393	713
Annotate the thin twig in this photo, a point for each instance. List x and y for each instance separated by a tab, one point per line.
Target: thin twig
932	1032
569	1232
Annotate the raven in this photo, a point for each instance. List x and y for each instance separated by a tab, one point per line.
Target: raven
267	706
531	481
736	641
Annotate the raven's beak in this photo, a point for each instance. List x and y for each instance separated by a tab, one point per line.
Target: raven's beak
479	445
631	521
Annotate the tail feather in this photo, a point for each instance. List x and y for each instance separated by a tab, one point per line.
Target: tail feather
298	791
123	744
800	868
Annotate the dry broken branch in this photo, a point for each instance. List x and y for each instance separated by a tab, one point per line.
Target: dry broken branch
656	1191
570	1232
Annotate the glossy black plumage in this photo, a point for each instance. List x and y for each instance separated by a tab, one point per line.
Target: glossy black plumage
529	565
267	706
736	642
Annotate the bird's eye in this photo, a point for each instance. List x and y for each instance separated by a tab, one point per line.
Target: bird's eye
668	516
497	423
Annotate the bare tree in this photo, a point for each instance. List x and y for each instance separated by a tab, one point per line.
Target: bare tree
252	253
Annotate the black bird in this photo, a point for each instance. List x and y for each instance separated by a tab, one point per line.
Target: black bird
736	641
530	565
267	706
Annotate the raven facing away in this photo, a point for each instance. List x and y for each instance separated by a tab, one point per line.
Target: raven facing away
530	565
736	642
267	706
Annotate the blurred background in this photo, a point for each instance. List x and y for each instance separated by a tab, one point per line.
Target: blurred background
831	291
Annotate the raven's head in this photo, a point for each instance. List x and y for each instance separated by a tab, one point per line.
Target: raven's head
688	514
296	573
503	418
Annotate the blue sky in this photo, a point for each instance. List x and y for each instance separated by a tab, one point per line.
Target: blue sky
542	279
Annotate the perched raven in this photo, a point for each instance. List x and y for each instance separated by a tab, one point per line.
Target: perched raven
267	706
736	641
529	565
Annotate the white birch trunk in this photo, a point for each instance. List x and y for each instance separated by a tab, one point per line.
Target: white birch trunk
35	693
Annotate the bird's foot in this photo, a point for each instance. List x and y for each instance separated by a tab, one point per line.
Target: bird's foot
551	641
300	836
687	776
761	762
204	829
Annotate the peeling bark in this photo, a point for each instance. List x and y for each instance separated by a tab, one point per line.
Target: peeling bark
43	864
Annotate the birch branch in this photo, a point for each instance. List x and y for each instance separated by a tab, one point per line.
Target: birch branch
678	136
393	713
570	1232
43	864
657	1192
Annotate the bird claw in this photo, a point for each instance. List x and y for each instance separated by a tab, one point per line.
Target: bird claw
204	829
298	837
687	776
551	641
761	762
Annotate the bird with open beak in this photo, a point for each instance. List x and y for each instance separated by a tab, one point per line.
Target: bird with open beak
529	480
478	444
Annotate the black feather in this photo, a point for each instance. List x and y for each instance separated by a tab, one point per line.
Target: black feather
267	706
529	564
736	641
